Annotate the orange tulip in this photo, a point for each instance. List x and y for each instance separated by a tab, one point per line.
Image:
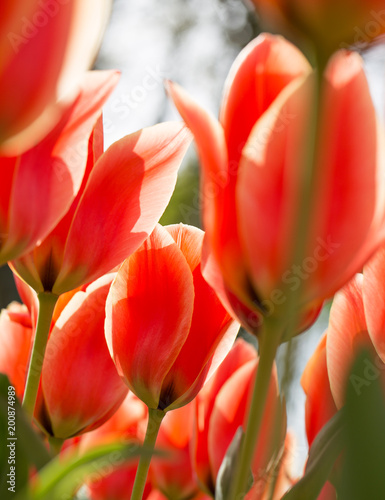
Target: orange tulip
123	194
221	407
38	187
331	24
165	328
252	163
45	47
355	322
80	388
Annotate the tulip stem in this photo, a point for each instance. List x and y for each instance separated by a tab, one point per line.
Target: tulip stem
268	345
47	302
55	445
155	418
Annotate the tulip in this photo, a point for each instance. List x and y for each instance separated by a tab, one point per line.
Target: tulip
80	387
39	186
123	194
15	342
327	374
166	330
330	24
45	47
252	163
222	406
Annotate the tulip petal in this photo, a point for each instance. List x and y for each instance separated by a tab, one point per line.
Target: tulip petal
40	267
374	300
320	405
216	177
230	411
61	38
80	384
347	333
16	343
268	188
240	354
210	141
58	162
126	194
259	74
149	312
211	336
350	180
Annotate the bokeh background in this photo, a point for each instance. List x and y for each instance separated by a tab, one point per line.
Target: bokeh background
194	42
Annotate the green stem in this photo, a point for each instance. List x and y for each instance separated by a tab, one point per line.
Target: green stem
155	418
55	445
47	302
268	345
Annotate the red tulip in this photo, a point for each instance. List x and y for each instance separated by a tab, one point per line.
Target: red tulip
15	344
122	196
347	334
327	374
45	47
222	406
165	328
252	176
80	388
38	187
174	476
329	23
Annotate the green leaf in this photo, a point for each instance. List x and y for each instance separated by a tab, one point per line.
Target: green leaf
228	465
323	453
363	473
66	473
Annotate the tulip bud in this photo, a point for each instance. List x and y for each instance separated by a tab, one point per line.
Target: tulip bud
165	327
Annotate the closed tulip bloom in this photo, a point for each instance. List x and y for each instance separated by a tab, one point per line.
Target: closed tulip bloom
38	187
77	363
45	48
252	163
165	327
122	196
222	406
80	387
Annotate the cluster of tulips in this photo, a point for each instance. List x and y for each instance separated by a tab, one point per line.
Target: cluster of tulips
125	353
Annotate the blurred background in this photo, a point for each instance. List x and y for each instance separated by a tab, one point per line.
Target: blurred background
194	43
